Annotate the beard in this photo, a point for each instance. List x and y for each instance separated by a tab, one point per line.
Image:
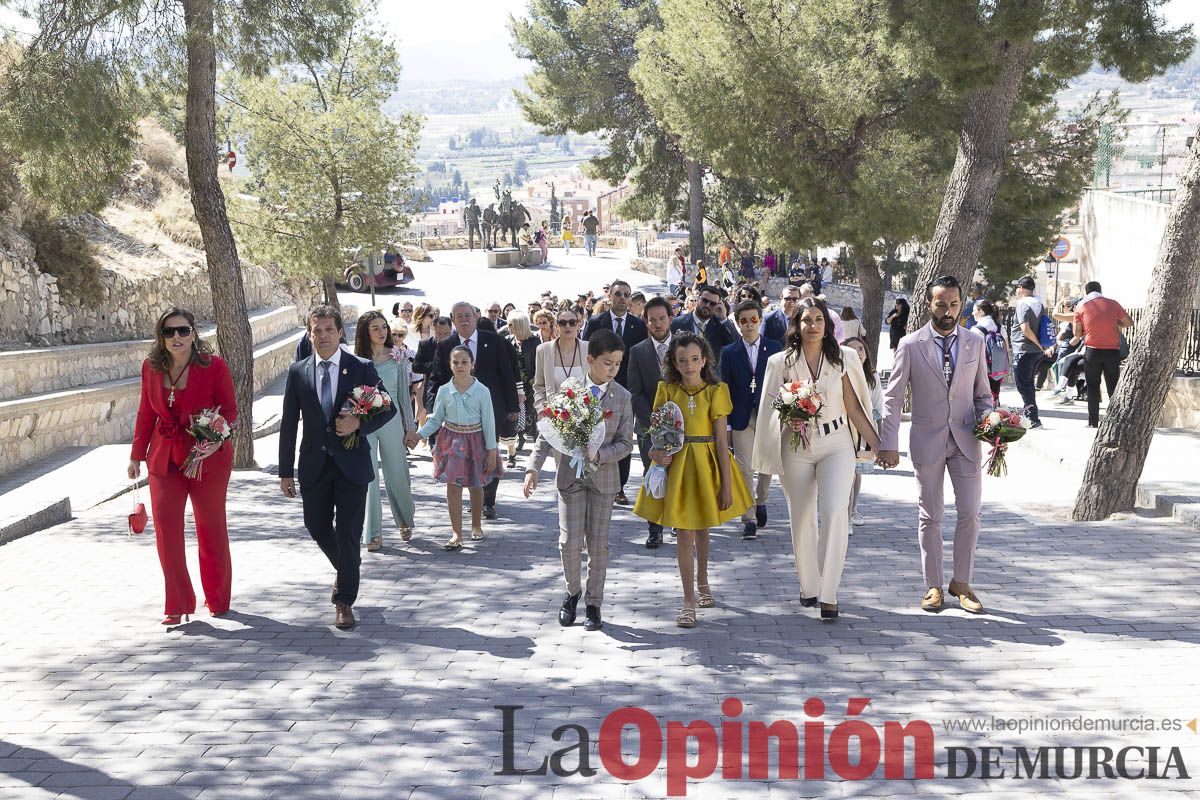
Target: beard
945	324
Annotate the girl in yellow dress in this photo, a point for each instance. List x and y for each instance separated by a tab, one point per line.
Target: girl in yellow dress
702	491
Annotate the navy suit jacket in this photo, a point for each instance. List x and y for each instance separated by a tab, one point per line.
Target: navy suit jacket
735	371
719	334
493	368
775	325
633	332
320	441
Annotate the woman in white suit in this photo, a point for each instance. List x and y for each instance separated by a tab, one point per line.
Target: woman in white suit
558	359
823	472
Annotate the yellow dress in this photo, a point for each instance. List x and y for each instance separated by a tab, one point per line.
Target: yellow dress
694	477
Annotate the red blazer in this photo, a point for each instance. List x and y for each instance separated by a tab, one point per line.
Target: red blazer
160	437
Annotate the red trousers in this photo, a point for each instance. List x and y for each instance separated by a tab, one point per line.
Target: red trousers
168	495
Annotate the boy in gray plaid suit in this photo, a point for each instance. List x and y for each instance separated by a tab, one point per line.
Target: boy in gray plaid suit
585	504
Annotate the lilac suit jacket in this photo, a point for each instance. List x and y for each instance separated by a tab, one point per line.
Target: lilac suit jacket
938	411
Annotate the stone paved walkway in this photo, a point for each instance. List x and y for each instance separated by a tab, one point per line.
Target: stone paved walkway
98	701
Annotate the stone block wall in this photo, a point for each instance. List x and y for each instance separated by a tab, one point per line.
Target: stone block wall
34	312
1182	407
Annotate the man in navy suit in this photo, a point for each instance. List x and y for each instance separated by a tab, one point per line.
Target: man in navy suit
743	367
333	479
493	368
708	321
632	330
776	324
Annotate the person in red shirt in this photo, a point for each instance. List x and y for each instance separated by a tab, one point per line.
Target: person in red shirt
1098	321
182	377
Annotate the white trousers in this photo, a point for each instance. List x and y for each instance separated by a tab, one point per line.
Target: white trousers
822	474
743	448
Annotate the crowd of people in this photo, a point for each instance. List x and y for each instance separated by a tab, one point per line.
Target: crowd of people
470	385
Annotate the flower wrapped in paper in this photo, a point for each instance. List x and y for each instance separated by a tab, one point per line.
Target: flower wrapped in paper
573	423
666	434
798	400
210	430
363	402
998	428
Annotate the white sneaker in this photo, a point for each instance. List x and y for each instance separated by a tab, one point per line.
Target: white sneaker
857	519
1066	401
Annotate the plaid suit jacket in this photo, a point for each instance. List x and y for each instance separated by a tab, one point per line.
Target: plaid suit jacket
618	443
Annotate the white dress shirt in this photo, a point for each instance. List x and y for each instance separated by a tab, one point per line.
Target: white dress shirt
752	352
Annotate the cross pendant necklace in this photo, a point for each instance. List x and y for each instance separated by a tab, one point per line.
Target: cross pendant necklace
173	381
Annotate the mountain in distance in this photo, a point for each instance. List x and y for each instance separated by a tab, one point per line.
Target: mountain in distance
455	96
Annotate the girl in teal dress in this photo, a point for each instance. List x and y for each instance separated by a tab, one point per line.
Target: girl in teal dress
373	340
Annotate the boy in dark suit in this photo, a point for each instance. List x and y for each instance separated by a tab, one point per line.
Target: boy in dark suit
333	479
743	366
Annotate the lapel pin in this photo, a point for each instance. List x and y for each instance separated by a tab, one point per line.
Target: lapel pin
345	371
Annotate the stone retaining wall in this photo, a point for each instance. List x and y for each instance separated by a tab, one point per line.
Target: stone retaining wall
34	312
55	369
1182	408
103	413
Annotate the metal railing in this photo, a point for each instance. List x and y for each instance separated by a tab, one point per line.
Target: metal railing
1164	196
1189	359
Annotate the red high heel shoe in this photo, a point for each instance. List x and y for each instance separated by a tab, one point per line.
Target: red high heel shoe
175	619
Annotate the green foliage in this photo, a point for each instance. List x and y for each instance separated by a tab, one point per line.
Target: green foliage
64	253
330	171
68	120
583	54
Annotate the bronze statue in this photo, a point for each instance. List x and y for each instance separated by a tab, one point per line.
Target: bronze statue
513	216
471	217
491	226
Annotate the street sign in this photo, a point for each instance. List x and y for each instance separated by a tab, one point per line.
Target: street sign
1061	248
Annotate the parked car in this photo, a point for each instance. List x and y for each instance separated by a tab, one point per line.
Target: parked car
389	270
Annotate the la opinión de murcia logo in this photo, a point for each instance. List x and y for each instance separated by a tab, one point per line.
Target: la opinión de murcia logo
854	750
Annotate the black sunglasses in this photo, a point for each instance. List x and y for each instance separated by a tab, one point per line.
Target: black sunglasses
570	323
169	331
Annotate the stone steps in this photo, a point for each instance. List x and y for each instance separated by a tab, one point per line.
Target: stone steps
1180	501
25	373
104	412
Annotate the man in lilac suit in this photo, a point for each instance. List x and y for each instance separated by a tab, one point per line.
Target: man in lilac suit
945	367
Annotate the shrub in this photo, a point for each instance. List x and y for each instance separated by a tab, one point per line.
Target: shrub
174	216
161	152
64	253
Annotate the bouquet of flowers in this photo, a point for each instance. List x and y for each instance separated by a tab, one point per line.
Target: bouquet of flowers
364	402
798	400
666	434
573	423
403	353
210	430
998	428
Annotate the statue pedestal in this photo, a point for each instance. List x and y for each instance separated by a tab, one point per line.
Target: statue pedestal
510	256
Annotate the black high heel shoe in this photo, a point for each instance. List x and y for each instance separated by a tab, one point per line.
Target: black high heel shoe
829	614
808	602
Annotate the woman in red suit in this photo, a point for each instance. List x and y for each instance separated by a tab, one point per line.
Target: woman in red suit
182	377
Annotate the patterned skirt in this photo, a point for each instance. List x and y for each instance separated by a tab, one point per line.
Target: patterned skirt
460	457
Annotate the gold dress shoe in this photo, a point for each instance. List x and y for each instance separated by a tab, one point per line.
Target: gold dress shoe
375	544
966	597
933	599
345	617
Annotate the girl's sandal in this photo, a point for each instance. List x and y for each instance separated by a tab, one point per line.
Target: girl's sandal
406	534
706	598
453	544
477	534
686	618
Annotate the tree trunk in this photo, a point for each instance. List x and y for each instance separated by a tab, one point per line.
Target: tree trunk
695	210
234	337
871	282
971	191
329	286
1119	451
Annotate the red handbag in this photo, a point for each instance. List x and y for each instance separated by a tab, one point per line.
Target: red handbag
137	520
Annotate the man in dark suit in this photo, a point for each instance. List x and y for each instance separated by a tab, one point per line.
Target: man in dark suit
631	330
645	371
333	478
776	324
493	368
743	368
708	320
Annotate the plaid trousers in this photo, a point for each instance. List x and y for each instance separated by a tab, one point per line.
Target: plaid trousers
584	515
